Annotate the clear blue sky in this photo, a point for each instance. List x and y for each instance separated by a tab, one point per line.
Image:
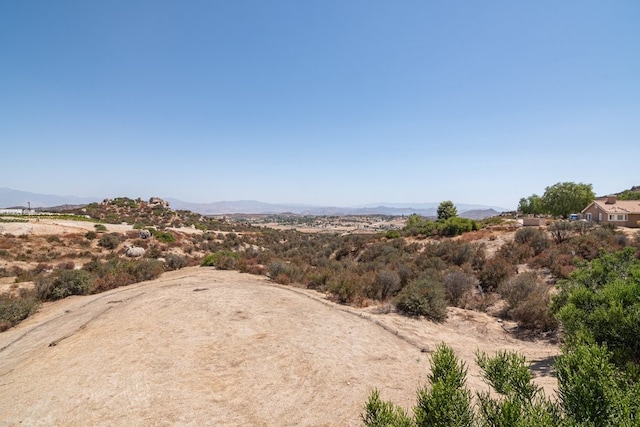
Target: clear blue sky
321	102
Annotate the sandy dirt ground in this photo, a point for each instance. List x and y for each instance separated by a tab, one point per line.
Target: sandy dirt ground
47	226
205	347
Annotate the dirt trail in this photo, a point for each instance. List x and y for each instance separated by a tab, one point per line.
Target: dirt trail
205	347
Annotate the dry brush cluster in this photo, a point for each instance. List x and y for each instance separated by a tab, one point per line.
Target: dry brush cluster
417	276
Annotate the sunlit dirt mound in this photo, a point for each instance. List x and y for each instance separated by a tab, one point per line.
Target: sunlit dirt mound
206	347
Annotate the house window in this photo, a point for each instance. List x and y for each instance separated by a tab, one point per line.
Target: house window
588	217
617	217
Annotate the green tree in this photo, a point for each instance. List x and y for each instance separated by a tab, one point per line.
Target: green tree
632	194
414	220
447	210
564	198
531	205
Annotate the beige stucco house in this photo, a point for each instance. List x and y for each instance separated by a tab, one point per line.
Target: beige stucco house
624	213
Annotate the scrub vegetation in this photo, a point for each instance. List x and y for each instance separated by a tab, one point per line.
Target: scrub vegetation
572	277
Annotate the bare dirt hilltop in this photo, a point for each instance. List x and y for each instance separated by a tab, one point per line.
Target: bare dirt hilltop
205	347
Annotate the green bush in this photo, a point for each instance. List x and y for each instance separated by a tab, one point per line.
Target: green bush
447	402
163	236
392	234
15	308
423	297
223	260
318	279
447	210
600	302
118	272
520	401
593	391
109	241
378	413
62	283
455	226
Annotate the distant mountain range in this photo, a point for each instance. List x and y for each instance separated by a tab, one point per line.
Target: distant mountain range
15	198
256	207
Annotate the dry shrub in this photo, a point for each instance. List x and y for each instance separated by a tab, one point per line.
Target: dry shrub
257	269
282	278
251	266
8	241
112	280
109	241
15	308
117	272
277	268
517	288
66	265
62	283
145	269
562	265
515	253
318	279
132	234
385	284
528	302
384	308
494	272
534	238
457	286
481	301
175	262
533	313
23	275
345	287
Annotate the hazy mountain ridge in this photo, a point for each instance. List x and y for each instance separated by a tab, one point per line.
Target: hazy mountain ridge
17	198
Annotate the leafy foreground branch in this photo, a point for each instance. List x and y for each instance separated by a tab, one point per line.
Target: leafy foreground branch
592	391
